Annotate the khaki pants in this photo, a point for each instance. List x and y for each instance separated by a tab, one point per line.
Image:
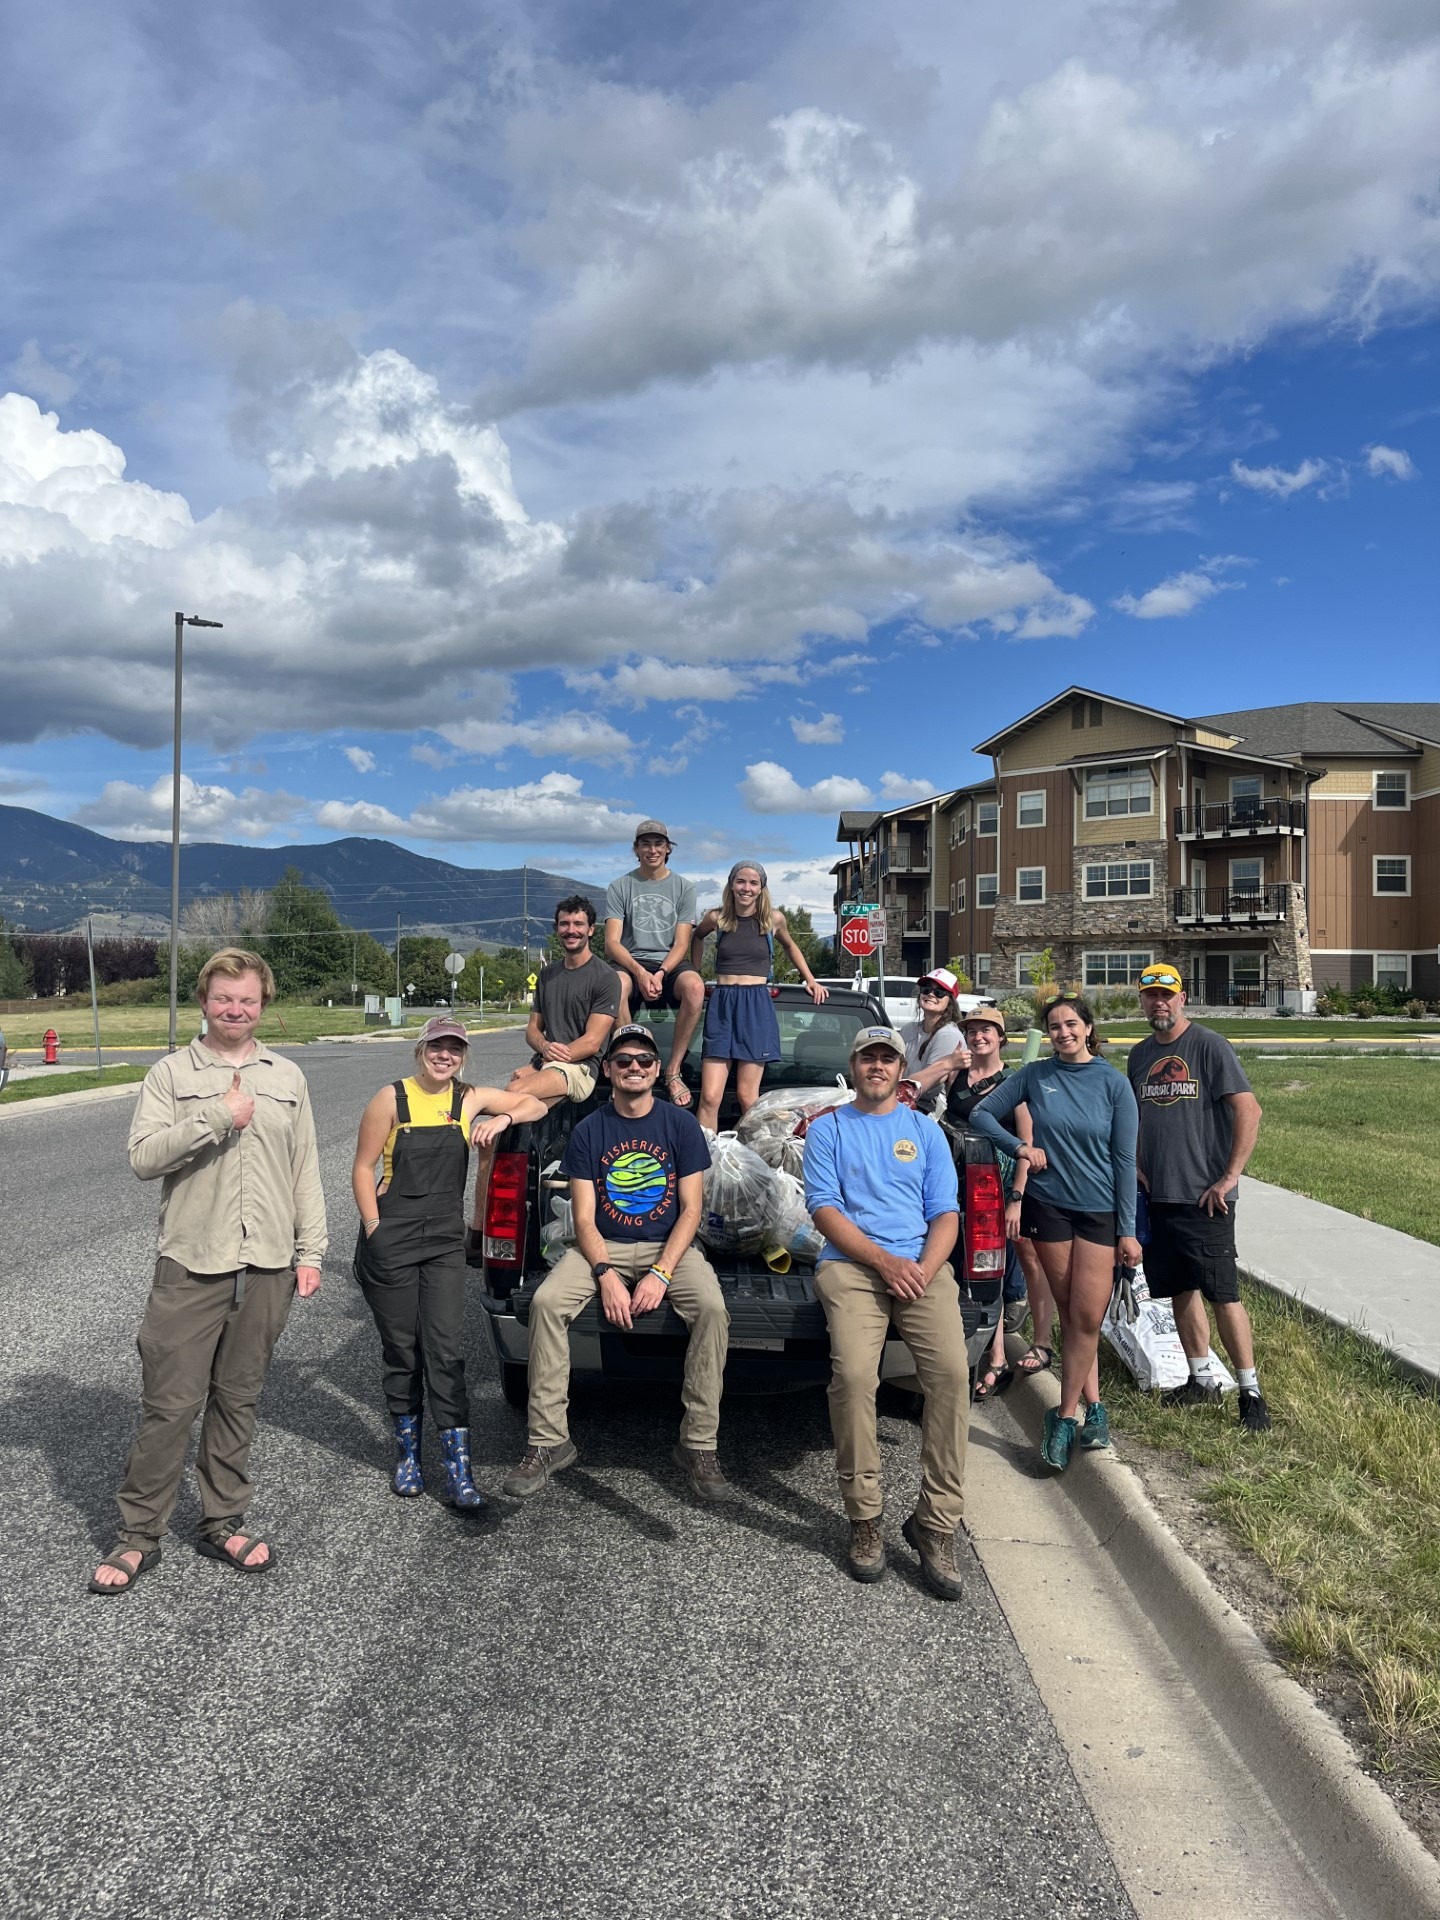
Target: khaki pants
859	1311
695	1295
205	1341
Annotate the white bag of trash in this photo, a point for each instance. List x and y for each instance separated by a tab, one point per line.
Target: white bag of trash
790	1234
770	1127
1142	1332
736	1202
557	1235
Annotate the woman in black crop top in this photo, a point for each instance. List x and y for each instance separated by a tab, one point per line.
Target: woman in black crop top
740	1023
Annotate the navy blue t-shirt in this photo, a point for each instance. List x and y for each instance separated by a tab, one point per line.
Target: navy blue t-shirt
637	1166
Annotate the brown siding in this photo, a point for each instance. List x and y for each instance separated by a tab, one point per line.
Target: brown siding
1052	739
1345	913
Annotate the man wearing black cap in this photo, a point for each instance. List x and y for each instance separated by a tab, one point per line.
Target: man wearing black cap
636	1169
649	917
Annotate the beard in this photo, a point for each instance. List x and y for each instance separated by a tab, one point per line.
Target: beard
1161	1022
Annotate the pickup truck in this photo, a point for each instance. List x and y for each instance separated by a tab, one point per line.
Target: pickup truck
778	1337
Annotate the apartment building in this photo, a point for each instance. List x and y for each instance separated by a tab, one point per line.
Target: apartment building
1267	852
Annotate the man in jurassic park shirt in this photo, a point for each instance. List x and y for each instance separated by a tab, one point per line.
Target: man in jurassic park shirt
1199	1122
636	1168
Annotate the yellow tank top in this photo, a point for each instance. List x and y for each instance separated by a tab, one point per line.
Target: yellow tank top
426	1110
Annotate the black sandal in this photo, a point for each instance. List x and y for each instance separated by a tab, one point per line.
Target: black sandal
992	1382
122	1565
217	1550
1036	1365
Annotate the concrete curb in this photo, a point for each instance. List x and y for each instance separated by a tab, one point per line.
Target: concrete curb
1283	1290
83	1096
1346	1825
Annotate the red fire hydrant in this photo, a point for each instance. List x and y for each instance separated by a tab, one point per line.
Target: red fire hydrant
52	1047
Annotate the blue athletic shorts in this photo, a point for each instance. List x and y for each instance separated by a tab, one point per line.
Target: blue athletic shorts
740	1024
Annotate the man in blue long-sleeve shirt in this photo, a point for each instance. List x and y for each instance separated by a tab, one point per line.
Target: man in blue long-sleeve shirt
881	1185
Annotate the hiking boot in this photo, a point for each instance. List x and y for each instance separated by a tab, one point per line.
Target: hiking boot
1059	1439
1196	1392
1252	1412
535	1467
1096	1431
866	1559
937	1559
702	1469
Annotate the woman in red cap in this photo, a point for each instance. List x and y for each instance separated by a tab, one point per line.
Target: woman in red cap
935	1037
410	1256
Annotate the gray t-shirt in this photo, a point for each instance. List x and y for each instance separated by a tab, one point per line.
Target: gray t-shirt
650	910
565	998
924	1049
1185	1125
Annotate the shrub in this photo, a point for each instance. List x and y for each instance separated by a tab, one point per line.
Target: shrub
1415	1009
1115	1003
1019	1010
1332	1003
1364	1007
153	992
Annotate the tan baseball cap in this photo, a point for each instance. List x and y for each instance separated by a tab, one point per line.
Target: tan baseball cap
877	1037
654	826
976	1014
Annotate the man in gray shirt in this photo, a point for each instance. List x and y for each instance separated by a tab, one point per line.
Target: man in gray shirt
1199	1122
649	916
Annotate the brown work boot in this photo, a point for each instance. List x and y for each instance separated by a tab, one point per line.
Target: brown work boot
937	1559
535	1467
866	1559
702	1468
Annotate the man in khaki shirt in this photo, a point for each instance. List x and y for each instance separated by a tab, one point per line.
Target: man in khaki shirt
226	1125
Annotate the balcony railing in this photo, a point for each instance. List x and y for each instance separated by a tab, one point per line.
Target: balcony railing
910	859
1244	818
1232	906
918	929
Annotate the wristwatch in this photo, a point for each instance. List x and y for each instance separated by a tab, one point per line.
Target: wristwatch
600	1267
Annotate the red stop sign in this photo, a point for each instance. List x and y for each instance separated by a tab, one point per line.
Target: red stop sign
855	938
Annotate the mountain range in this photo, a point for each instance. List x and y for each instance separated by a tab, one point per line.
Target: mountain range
54	874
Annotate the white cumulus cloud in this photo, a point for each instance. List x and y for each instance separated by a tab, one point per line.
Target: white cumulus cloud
553	808
125	811
770	788
360	758
1183	592
827	731
899	787
1391	462
1278	480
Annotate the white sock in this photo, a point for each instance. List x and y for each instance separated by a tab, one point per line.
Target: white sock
1248	1378
1199	1368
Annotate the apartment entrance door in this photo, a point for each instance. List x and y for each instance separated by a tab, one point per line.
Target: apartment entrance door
1217	979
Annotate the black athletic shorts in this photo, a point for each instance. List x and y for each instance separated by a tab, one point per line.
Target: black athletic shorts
1191	1251
668	997
1040	1220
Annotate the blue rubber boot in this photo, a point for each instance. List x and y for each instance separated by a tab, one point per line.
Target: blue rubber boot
460	1490
406	1479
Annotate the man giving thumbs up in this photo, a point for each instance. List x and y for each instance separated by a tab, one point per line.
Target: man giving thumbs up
226	1126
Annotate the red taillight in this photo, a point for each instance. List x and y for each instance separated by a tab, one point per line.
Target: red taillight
505	1211
984	1220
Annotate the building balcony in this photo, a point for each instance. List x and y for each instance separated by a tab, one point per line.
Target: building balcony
1239	819
917	927
905	860
1232	906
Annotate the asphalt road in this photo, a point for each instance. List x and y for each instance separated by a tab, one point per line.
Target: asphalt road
605	1703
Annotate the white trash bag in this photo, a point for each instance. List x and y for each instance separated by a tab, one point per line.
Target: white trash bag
557	1235
1148	1343
791	1235
770	1127
736	1197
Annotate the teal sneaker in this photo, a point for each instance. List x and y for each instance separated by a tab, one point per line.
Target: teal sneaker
1059	1438
1096	1431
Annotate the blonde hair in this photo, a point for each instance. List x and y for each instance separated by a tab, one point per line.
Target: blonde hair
727	919
231	963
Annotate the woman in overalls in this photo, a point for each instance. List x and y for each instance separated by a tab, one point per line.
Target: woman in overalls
740	1022
410	1256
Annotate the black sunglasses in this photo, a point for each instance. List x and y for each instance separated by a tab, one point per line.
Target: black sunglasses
633	1059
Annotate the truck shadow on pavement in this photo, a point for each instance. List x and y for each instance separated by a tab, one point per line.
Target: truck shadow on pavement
82	1432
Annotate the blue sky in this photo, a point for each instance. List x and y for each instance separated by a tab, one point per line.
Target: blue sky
580	412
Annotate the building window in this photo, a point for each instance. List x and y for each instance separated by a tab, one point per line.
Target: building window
1392	873
988	817
987	889
1077	715
959	825
1025	975
1030	809
982	969
1115	969
1118	790
1247	878
1097	713
1245	786
1392	790
1119	879
1393	970
960	887
1030	886
1245	969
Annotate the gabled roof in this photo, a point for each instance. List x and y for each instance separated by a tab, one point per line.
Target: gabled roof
1323	726
1060	699
975	789
856	826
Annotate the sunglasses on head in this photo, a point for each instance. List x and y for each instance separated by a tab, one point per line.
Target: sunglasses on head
1158	980
1060	1000
632	1059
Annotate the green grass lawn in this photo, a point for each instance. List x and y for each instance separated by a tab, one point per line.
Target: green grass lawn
1341	1502
149	1026
43	1084
1125	1032
1358	1133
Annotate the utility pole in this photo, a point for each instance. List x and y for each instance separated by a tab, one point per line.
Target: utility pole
525	908
182	620
397	957
94	999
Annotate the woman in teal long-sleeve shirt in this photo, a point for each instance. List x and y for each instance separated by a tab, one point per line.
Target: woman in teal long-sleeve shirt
1079	1204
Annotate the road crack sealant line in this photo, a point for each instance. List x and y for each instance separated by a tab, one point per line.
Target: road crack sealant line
1347	1826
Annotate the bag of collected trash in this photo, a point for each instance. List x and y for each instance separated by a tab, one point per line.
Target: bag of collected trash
557	1234
791	1236
774	1126
736	1197
1142	1332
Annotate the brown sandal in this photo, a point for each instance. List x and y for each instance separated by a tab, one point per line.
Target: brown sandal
1030	1361
122	1565
217	1550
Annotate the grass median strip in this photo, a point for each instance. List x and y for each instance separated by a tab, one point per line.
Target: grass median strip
1341	1503
38	1086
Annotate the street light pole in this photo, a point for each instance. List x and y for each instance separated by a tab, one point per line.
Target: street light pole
182	620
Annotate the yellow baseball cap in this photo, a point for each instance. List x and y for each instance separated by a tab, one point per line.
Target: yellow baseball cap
1161	976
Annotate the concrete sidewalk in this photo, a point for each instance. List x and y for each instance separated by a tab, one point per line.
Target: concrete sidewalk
1384	1284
